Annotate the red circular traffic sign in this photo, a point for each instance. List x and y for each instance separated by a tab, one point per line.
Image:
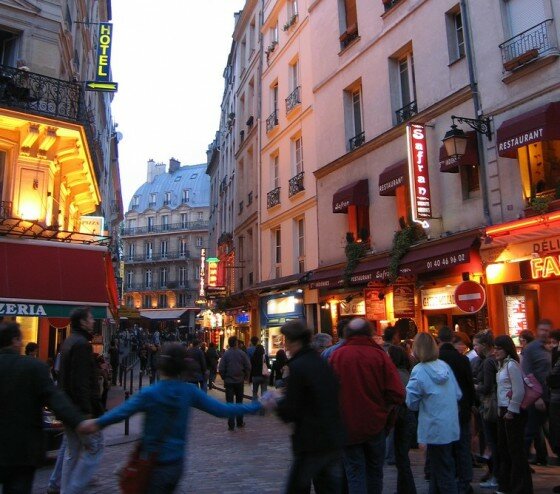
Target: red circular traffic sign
470	296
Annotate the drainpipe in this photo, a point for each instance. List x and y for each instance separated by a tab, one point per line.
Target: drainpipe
477	110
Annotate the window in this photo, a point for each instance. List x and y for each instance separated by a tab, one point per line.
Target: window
177	178
539	164
242	55
129	279
294	75
298	155
275	171
252	30
249	198
8	48
131	224
135	201
153	198
300	244
167	199
405	99
199	241
148	278
274	34
523	15
404	209
164	248
274	97
292	8
199	215
162	301
147	301
165	222
151	221
182	300
353	116
185	196
183	276
470	179
162	277
129	302
131	251
183	251
184	220
149	250
277	251
348	22
455	35
193	176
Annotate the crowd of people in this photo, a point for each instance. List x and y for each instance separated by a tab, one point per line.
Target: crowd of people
353	405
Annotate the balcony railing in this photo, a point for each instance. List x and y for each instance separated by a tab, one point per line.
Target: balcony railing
293	99
167	256
272	121
357	140
347	38
171	227
168	285
296	184
273	198
528	45
5	209
406	112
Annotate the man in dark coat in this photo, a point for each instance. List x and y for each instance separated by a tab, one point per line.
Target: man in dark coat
311	403
25	388
78	379
461	367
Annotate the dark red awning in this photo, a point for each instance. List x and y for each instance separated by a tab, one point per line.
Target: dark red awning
451	165
356	194
540	124
55	272
392	177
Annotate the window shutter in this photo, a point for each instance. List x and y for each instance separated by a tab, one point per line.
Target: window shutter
525	14
351	16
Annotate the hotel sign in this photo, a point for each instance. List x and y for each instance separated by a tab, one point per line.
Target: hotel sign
102	80
420	195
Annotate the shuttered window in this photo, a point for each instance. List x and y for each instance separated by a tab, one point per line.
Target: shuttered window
524	14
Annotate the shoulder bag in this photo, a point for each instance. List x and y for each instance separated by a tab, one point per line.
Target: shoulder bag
533	389
265	369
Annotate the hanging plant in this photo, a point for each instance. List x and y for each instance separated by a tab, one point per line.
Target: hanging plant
354	252
541	204
402	241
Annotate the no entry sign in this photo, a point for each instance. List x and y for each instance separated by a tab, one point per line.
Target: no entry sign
470	296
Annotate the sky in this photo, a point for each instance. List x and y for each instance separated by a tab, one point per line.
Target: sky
168	58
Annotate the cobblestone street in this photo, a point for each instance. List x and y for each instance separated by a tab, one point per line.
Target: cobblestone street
252	460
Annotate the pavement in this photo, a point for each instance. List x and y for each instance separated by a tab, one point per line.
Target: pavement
251	460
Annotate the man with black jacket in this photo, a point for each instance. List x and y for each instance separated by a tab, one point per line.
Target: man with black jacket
311	403
25	388
78	379
461	367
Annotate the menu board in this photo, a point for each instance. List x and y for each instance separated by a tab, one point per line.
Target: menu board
403	300
516	309
375	304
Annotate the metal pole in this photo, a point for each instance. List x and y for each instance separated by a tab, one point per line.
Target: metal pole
126	428
140	378
131	380
125	371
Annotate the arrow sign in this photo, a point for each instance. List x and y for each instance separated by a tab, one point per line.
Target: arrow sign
111	87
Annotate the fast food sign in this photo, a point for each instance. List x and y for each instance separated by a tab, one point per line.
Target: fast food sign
420	196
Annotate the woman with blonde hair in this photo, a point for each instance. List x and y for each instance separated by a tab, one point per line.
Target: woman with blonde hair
433	391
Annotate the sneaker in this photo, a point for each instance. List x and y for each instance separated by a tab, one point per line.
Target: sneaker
489	484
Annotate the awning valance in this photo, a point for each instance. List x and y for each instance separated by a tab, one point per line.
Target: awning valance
356	194
163	313
451	165
540	124
392	177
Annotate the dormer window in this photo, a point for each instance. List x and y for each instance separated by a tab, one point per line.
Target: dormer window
135	201
153	198
167	199
185	196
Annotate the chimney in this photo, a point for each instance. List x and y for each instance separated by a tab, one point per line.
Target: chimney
154	169
174	165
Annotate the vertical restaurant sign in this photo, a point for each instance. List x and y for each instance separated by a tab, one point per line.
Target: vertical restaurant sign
212	271
201	291
420	196
105	36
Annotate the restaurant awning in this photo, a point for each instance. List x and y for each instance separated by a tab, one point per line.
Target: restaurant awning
355	194
451	164
392	177
164	313
282	282
540	124
60	275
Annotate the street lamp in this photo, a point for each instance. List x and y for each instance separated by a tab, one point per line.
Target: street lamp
455	139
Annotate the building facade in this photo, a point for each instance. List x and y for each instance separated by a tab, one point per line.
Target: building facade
165	231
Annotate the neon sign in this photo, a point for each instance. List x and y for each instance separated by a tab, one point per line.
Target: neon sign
201	291
545	267
420	195
212	271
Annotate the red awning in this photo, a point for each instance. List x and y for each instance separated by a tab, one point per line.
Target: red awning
540	124
356	194
392	177
451	165
53	272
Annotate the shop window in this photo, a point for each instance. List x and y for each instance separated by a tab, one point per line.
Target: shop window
29	327
129	301
539	165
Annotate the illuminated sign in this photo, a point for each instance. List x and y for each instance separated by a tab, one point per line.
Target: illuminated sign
418	172
111	87
545	267
201	292
92	225
438	298
103	60
212	271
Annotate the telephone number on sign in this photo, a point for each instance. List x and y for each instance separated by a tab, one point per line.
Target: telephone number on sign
449	260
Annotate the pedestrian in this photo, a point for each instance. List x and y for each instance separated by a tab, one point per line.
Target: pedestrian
405	426
553	382
555	343
167	408
279	369
102	369
461	367
514	474
321	341
252	347
341	330
32	349
370	387
311	403
26	388
390	337
114	361
235	369
212	358
525	337
260	370
461	342
433	391
195	353
79	380
537	360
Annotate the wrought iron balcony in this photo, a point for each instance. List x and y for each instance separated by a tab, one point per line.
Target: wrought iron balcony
529	45
272	121
347	38
171	227
273	198
296	184
5	209
357	140
167	256
293	99
406	112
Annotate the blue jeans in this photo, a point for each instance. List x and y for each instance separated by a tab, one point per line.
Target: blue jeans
405	429
83	455
442	469
261	381
165	478
56	475
324	470
364	465
463	458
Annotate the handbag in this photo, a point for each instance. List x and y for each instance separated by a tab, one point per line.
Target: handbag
135	476
533	390
265	369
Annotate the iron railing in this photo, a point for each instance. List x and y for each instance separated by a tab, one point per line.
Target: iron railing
272	121
168	256
357	140
5	209
347	38
296	184
406	112
168	285
528	45
293	99
273	198
170	227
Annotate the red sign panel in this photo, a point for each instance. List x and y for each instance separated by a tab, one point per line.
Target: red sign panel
403	300
375	304
470	296
418	172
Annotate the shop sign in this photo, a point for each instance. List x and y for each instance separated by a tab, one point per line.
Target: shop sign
46	310
419	175
105	35
521	251
283	305
201	291
545	267
243	318
521	140
356	307
403	300
212	271
216	292
470	296
375	304
516	309
438	298
92	225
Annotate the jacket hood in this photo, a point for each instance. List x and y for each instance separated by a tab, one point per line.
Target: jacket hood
438	371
